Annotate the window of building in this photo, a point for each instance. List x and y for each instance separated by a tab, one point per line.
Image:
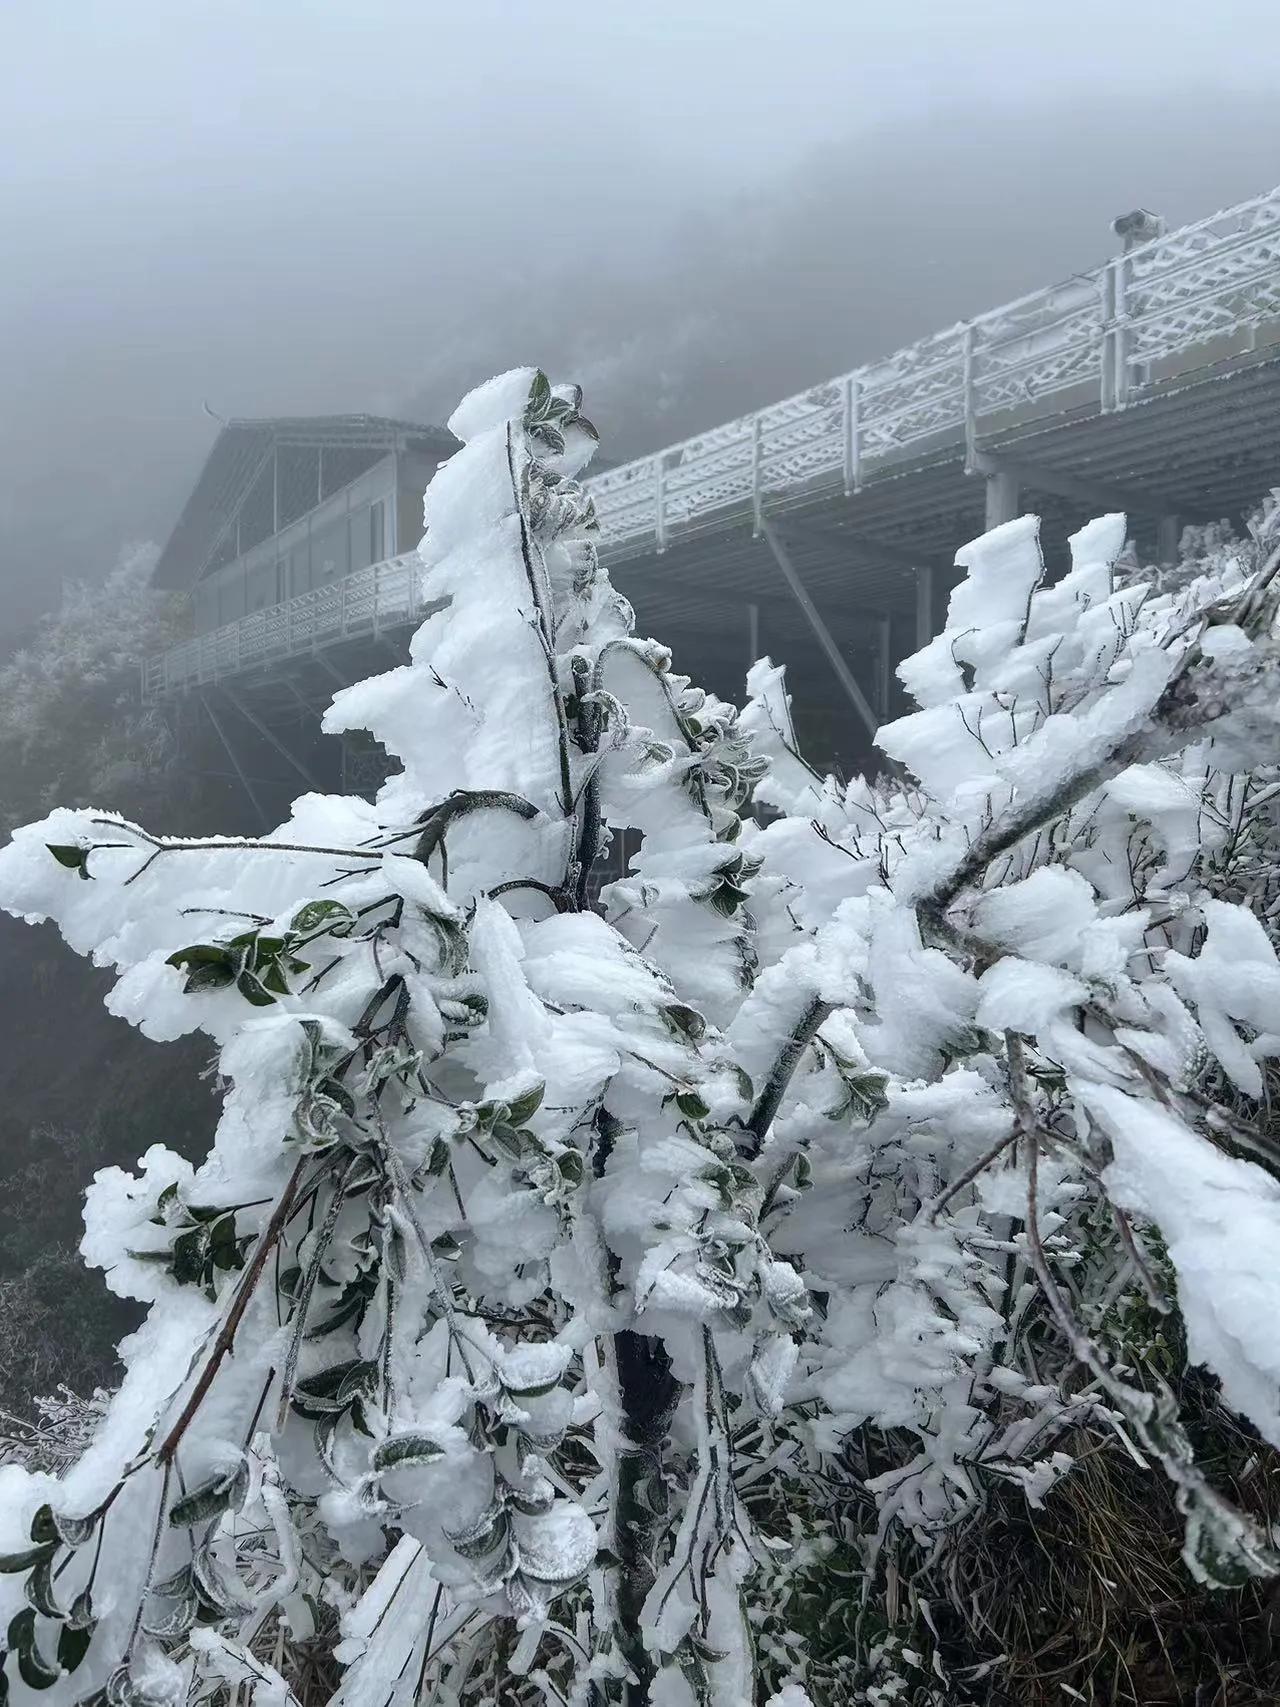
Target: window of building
330	552
231	595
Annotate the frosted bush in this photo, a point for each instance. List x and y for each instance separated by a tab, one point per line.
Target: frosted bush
551	1251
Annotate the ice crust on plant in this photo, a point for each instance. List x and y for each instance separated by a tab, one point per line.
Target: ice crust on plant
551	1246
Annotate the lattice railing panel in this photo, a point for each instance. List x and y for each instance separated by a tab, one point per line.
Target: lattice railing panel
383	595
1100	329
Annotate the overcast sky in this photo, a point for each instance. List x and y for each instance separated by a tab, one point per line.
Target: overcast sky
285	206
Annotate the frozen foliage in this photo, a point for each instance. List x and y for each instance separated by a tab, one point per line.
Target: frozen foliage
71	728
552	1250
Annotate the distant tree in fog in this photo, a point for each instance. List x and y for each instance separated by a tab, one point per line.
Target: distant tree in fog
72	725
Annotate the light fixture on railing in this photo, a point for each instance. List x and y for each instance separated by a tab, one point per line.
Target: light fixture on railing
1137	227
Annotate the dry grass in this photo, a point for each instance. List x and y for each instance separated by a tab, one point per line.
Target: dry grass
1089	1600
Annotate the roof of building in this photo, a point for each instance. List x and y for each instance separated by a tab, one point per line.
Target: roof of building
239	456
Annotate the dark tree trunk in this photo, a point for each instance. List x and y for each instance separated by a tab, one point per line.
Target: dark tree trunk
649	1392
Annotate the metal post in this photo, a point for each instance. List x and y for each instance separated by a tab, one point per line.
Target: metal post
852	445
753	633
1106	311
757	510
1120	332
1168	538
924	605
1003	498
885	681
319	474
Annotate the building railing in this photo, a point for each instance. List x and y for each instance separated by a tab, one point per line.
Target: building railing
386	595
1103	337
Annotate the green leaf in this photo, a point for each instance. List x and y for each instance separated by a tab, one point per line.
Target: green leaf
525	1106
214	1496
208	978
224	1247
22	1629
75	859
726	898
73	1645
201	954
34	1669
539	395
691	1105
38	1589
190	1255
43	1527
438	1160
569	1166
81	1615
686	1020
338	1093
539	1391
74	1531
485	1538
406	1452
173	1620
12	1563
252	991
332	916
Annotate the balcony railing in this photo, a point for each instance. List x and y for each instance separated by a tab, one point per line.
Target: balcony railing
387	595
1103	337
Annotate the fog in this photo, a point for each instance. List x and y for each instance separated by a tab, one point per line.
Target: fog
245	209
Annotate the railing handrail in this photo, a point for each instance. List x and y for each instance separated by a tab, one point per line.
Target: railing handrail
1037	315
389	590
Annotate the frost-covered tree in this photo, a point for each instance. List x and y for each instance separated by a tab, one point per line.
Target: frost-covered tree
71	727
553	1250
424	1320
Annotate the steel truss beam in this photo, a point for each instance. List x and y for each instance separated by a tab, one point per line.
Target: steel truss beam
236	766
996	466
272	740
843	674
865	548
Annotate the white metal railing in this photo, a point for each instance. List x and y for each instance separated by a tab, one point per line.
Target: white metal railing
1105	334
386	595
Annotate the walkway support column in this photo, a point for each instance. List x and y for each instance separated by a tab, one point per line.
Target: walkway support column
1003	496
1168	537
884	675
924	605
